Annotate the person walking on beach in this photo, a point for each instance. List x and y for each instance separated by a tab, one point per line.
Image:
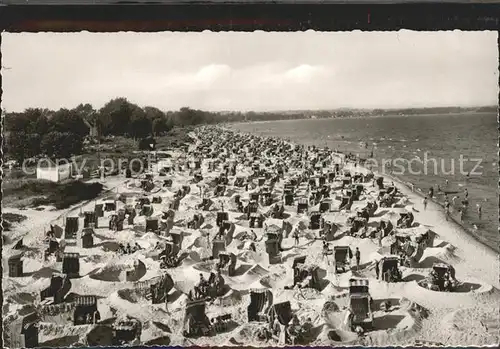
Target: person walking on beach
425	203
446	183
358	256
431	192
479	211
447	208
466	192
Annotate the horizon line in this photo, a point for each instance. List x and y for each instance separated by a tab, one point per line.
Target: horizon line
5	111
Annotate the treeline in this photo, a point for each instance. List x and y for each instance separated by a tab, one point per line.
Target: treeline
40	131
62	133
436	110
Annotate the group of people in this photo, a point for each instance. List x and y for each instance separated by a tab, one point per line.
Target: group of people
448	206
444	283
205	287
129	249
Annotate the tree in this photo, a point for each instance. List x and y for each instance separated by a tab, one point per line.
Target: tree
87	112
68	121
115	116
154	113
32	120
61	144
161	126
140	125
25	131
23	145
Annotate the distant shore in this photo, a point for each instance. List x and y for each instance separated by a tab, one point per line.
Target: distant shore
355	117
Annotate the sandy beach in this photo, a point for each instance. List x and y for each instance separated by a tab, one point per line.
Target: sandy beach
288	257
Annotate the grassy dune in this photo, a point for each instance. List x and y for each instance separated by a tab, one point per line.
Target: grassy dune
35	192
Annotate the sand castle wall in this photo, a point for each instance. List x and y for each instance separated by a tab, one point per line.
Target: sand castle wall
134	274
436	299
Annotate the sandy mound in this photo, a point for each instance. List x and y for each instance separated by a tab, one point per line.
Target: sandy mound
444	254
336	337
464	325
276	280
120	270
469	293
342	280
51	335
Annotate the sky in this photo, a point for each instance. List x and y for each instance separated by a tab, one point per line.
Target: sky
251	71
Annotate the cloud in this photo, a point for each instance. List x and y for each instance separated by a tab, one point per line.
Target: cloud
304	73
213	73
251	71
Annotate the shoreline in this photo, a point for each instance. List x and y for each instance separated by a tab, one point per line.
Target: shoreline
437	204
464	244
353	117
406	184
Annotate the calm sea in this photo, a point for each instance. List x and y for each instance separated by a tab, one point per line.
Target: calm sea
445	138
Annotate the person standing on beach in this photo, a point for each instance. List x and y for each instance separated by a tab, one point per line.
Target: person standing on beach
358	256
454	199
326	249
446	183
296	236
425	203
479	211
462	214
431	192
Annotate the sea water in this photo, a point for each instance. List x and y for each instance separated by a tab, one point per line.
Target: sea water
435	143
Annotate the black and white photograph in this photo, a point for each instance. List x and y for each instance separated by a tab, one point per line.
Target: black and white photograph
263	189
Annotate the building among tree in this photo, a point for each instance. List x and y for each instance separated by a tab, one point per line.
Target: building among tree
53	172
93	131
